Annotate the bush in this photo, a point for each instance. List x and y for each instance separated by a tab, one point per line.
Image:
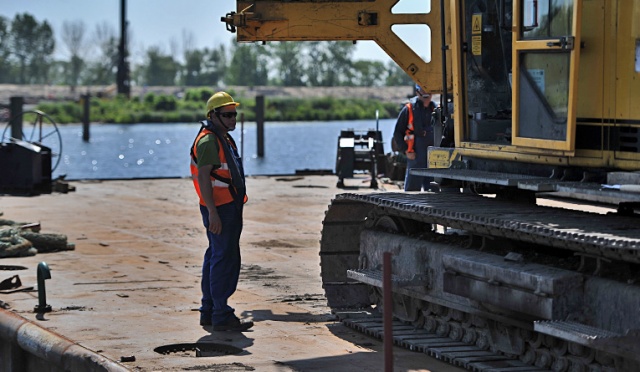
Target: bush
160	108
165	103
61	113
198	95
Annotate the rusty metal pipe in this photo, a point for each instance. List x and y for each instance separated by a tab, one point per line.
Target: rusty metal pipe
22	340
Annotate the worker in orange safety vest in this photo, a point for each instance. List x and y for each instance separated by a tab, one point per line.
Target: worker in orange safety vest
413	134
218	178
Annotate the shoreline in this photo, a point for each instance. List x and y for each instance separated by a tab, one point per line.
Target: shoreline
36	93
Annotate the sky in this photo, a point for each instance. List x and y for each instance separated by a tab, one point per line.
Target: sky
159	22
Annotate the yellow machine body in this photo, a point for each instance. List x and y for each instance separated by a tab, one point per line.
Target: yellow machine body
573	89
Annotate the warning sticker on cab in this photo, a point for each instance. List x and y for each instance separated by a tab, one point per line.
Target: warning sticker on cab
476	24
476	45
440	157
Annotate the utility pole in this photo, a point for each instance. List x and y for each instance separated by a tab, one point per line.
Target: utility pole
124	86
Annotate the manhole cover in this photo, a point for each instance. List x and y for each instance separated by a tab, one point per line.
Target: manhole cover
198	349
12	267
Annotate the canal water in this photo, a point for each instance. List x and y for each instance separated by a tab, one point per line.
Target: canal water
117	151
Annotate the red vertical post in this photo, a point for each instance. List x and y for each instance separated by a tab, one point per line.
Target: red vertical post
387	312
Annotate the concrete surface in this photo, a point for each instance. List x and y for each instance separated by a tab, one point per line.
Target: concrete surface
132	282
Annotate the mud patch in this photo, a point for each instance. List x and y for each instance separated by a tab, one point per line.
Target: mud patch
255	272
311	186
76	308
12	267
274	243
289	179
199	350
232	367
311	303
302	298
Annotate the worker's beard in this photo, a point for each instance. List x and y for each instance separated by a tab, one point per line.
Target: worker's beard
229	128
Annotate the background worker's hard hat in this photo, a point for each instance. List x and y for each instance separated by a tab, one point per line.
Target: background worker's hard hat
218	100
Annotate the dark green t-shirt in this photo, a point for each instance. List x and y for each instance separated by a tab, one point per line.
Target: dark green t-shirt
208	148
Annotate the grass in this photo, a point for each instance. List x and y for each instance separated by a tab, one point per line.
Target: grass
161	108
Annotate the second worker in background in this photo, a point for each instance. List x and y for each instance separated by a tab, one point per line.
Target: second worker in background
413	134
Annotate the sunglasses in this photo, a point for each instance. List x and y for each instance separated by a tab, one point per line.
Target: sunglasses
228	115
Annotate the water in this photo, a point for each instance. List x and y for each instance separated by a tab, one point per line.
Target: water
117	151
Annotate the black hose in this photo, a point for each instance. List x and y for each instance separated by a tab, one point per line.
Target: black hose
444	106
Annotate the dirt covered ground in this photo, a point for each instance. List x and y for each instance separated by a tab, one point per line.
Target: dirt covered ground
132	283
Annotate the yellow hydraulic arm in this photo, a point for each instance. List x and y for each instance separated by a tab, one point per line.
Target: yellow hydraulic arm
315	20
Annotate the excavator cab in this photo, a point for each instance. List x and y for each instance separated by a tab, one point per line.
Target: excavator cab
537	98
542	103
518	69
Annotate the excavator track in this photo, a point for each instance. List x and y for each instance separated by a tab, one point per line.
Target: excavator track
462	354
618	238
455	315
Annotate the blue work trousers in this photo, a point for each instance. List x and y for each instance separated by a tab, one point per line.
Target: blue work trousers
221	267
418	183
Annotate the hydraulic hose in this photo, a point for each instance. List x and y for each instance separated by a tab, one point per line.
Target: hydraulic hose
444	105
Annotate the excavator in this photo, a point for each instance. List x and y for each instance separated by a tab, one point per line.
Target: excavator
541	102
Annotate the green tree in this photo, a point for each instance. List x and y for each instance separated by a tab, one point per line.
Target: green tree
32	43
248	66
101	70
192	73
369	73
340	71
314	67
73	38
204	67
396	76
160	68
330	64
287	58
5	52
214	66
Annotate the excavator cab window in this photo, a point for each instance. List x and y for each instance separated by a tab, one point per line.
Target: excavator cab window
544	19
545	64
544	95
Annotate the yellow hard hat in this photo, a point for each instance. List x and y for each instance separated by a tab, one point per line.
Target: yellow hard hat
218	100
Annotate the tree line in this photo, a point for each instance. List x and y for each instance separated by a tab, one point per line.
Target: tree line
27	57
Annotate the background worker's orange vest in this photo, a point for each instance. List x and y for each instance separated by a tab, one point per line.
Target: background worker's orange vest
409	137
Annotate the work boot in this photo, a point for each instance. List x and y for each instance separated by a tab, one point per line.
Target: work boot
205	319
233	325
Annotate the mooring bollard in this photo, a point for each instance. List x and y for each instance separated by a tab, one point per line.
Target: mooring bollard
86	119
260	124
15	108
43	274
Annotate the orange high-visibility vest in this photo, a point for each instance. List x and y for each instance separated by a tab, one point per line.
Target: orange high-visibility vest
409	137
221	182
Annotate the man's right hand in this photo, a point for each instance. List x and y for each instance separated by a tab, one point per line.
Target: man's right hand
411	155
215	225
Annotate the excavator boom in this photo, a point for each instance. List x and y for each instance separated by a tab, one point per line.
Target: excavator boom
272	20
